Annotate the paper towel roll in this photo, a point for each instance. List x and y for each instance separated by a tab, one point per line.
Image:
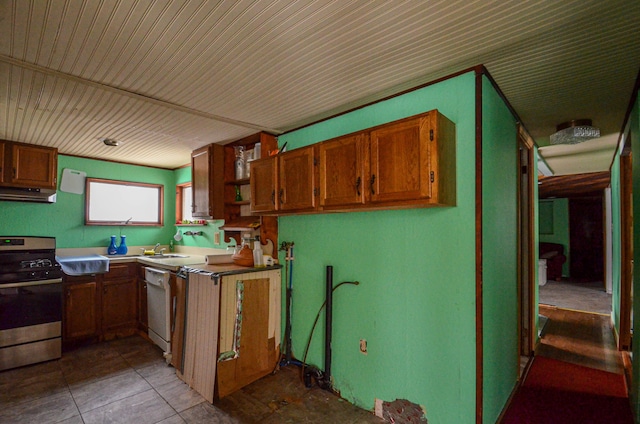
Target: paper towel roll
218	259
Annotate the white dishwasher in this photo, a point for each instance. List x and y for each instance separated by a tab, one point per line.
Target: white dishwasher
159	308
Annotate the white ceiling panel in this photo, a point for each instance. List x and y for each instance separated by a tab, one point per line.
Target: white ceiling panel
167	77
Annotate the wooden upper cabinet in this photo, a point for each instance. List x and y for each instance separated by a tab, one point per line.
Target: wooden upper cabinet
207	182
343	171
406	163
297	179
264	174
28	165
400	161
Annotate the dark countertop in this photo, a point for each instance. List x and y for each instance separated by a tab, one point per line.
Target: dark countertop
226	269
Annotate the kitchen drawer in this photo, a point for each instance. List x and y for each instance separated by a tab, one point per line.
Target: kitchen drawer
120	271
78	279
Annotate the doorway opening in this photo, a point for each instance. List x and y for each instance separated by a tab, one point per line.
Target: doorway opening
575	238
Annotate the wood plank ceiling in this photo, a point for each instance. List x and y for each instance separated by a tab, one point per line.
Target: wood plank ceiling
166	77
577	185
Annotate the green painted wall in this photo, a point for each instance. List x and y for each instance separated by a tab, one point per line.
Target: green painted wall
634	130
183	175
415	304
616	260
558	222
499	252
65	218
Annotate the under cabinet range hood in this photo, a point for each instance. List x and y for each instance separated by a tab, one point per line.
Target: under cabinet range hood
39	195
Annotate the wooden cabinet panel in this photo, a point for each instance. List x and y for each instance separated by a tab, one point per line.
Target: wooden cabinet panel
400	165
119	304
263	185
207	182
201	347
406	163
297	180
177	335
103	306
342	170
28	165
34	166
241	315
254	360
80	311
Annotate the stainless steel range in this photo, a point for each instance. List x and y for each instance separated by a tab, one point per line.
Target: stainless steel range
30	301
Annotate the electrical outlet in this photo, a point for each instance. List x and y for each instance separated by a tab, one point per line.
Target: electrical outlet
216	237
363	346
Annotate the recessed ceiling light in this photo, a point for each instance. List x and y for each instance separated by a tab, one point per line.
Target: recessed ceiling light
109	141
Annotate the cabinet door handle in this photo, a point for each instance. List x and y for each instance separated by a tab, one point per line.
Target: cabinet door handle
104	289
358	182
373	180
281	197
273	197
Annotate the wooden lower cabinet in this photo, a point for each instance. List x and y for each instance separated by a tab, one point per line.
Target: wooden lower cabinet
80	310
242	313
257	351
100	306
119	306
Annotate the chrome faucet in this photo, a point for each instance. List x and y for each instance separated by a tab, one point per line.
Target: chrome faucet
155	248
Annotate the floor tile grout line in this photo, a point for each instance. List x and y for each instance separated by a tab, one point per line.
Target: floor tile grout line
66	381
155	390
131	367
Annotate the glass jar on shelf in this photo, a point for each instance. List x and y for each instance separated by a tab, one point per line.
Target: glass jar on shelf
240	167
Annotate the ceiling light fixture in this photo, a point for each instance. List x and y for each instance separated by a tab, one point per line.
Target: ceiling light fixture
109	141
574	132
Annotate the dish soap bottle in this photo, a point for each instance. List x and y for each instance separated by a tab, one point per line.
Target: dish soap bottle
122	249
112	249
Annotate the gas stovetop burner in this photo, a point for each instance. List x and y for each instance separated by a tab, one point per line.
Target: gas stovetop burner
36	263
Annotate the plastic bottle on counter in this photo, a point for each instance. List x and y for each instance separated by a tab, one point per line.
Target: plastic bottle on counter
122	248
112	249
258	259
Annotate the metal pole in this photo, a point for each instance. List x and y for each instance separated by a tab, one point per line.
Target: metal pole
328	326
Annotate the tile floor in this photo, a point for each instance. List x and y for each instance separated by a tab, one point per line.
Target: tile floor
127	381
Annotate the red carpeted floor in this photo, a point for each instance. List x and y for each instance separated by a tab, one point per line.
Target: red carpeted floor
561	392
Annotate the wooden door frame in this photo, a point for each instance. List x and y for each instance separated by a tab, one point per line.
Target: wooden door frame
526	253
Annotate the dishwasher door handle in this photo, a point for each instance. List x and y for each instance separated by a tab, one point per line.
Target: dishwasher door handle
157	283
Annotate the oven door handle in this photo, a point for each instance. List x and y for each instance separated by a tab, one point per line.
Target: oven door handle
31	283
